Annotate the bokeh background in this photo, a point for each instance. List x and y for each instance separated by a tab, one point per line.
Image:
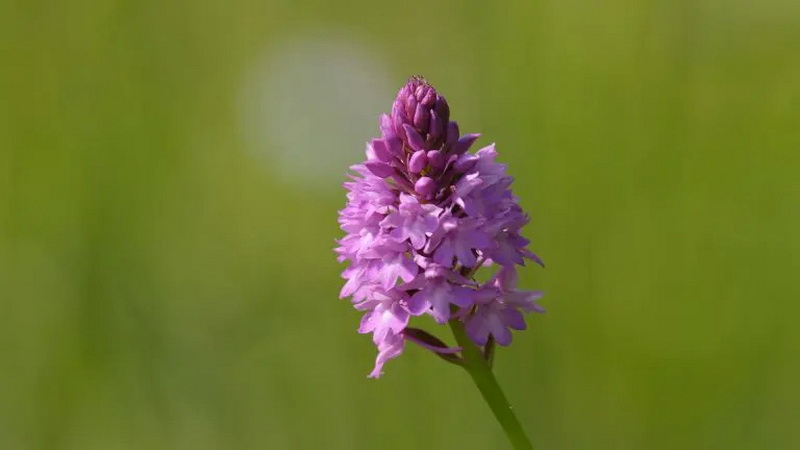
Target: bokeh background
170	174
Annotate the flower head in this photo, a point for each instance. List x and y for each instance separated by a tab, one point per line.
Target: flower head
423	214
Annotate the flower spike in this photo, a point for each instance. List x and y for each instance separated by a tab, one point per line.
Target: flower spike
424	214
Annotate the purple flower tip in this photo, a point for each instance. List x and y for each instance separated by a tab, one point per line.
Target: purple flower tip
422	216
424	110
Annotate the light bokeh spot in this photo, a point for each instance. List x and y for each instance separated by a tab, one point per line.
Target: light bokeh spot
309	104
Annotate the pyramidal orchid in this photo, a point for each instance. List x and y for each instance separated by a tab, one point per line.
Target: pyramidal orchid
424	214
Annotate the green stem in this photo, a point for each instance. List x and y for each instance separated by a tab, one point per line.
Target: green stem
484	379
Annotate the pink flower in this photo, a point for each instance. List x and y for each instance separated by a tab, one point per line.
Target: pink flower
422	215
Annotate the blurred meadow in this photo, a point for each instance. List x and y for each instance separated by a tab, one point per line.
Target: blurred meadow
170	174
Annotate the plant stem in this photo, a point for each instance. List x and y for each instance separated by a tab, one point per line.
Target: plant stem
484	379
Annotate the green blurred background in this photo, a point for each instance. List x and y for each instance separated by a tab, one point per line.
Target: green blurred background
170	175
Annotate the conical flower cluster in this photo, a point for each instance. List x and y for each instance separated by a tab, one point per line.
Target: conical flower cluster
423	214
